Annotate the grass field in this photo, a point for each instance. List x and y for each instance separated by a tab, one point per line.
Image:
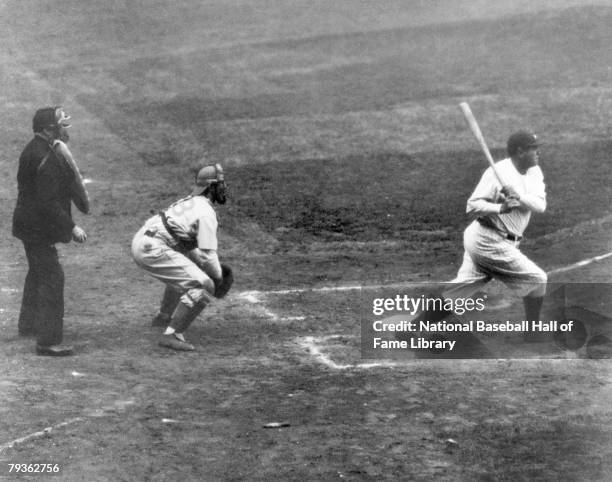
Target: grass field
349	163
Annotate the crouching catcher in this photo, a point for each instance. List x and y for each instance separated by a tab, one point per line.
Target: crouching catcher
178	246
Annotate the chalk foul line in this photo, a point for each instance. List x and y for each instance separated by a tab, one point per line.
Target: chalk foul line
580	264
45	432
42	433
255	296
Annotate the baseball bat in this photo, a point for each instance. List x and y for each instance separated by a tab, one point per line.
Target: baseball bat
471	120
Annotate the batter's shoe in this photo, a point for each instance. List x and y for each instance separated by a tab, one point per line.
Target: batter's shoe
171	341
161	320
54	350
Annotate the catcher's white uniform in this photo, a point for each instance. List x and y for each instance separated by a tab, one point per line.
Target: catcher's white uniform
492	240
179	247
166	248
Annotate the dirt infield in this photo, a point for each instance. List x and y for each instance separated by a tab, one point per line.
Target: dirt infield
124	409
349	166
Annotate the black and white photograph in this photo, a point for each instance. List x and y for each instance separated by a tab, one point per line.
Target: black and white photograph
306	240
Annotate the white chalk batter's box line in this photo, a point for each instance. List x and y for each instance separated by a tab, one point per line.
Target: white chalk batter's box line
313	344
256	296
314	347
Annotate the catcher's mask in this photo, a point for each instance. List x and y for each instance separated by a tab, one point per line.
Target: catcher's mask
211	180
54	120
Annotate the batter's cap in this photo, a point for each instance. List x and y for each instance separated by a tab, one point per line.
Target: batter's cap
207	176
523	139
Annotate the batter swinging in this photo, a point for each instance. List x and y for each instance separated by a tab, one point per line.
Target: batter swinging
501	214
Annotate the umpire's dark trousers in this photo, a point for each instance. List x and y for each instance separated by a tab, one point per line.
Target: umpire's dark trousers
42	306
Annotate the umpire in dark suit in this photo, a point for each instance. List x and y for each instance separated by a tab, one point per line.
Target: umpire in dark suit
42	218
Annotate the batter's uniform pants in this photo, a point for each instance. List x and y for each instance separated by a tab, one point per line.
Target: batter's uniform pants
155	251
490	254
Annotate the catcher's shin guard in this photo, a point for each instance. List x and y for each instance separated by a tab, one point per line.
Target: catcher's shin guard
184	315
169	303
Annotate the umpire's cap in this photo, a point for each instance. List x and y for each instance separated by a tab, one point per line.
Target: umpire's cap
522	139
206	176
50	117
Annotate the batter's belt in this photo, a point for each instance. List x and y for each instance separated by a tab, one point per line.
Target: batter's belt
487	223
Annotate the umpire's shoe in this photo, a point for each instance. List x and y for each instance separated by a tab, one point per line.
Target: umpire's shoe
174	342
54	350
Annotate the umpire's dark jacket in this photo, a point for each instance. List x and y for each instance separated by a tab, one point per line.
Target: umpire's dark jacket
42	214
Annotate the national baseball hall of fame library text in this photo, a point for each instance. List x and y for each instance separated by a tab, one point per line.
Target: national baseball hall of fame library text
419	321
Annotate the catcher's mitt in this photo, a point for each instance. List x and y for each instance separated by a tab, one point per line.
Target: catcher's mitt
225	284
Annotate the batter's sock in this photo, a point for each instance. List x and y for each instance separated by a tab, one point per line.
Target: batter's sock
533	306
435	309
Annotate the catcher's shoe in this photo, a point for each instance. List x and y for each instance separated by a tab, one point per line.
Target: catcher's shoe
161	320
172	341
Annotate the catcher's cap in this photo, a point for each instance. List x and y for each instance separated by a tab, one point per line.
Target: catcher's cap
50	117
206	176
522	139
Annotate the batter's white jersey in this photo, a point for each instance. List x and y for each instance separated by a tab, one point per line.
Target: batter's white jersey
489	253
530	187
